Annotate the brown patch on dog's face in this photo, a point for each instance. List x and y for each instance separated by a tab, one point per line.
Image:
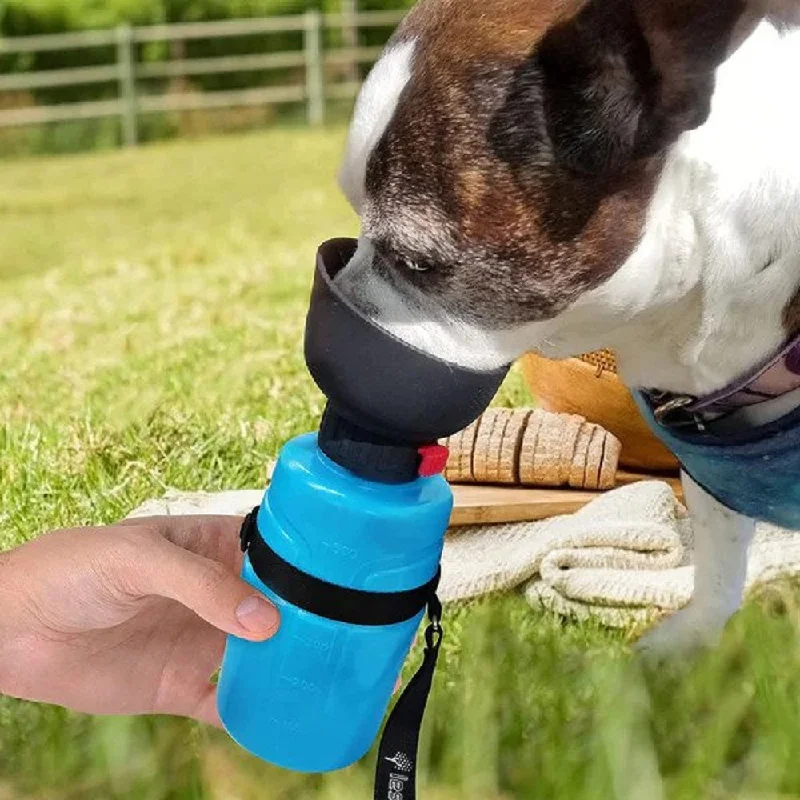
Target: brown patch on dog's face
517	170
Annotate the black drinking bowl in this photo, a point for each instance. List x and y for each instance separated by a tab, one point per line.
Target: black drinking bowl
377	381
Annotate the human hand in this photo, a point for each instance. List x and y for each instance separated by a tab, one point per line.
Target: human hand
129	618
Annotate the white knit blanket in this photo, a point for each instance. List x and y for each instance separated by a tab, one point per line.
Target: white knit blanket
622	559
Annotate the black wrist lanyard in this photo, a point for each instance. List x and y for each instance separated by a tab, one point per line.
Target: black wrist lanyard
396	770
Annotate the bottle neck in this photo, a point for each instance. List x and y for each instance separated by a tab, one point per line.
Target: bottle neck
364	453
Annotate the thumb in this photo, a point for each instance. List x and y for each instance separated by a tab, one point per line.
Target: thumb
209	589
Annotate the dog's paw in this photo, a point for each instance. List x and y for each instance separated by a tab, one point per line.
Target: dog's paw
687	631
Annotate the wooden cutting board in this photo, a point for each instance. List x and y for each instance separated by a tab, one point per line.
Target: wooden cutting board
482	505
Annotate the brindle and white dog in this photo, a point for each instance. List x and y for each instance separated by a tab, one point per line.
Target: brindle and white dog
563	175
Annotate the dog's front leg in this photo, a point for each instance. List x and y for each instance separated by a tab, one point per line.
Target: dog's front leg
722	538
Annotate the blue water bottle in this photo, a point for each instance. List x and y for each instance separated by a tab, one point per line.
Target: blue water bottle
347	544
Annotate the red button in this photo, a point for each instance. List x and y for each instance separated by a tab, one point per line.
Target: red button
433	460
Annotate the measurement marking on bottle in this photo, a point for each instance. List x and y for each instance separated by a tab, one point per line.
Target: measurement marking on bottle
340	550
319	645
299	683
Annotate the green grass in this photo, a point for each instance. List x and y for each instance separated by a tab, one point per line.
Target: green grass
151	312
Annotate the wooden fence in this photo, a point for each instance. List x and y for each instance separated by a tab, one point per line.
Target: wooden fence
127	72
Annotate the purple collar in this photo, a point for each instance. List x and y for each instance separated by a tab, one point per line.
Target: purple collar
776	377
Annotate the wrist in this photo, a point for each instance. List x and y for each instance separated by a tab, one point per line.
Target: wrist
11	625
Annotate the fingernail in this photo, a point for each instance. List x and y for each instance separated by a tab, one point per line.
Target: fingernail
257	615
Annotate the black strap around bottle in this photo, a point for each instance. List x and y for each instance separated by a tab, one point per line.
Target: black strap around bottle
328	600
396	772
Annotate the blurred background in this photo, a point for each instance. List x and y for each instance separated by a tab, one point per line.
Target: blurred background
83	74
168	169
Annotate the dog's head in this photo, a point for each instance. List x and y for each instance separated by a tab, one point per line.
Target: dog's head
503	154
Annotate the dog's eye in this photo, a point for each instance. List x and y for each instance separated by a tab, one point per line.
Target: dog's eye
415	266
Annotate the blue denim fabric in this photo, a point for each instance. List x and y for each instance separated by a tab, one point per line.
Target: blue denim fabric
755	472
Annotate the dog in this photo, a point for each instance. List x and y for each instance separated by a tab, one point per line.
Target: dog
565	175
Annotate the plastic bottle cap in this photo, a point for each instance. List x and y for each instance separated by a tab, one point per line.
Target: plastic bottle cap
433	460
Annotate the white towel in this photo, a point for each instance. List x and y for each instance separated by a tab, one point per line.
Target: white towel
622	559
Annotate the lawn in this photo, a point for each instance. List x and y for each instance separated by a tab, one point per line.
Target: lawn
151	313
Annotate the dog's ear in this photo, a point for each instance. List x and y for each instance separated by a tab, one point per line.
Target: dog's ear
623	79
